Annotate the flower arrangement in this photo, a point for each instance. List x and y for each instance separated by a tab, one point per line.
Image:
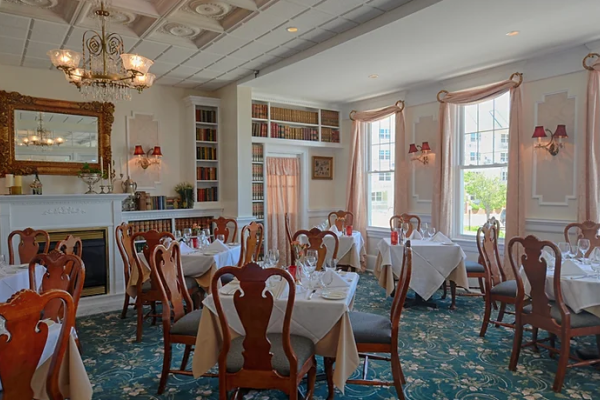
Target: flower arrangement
196	229
299	249
186	191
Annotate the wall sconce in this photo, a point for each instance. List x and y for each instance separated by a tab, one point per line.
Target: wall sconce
143	158
556	138
424	149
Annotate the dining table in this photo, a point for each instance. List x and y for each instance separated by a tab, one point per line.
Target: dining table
325	321
434	262
351	249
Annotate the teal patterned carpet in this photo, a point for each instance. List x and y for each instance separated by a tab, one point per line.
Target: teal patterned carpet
442	355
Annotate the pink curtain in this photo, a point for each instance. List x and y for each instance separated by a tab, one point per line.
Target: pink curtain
283	192
356	191
589	186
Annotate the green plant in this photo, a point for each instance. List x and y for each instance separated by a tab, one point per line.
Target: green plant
86	169
183	187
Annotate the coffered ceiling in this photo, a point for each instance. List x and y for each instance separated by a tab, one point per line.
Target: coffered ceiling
202	44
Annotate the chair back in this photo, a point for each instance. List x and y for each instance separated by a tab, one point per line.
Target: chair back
63	272
124	238
224	226
401	290
489	256
70	245
396	220
152	239
254	306
252	238
585	230
288	234
23	338
28	245
535	269
341	218
316	241
166	270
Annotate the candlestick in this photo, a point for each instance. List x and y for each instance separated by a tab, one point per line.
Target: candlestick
10	180
18	180
101	168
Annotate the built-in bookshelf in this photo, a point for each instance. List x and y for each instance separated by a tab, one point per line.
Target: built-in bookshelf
205	116
295	125
259	188
168	220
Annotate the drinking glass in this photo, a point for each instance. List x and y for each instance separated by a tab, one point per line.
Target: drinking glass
3	263
574	250
311	259
221	238
564	249
326	278
187	235
207	234
178	235
274	257
584	246
430	232
595	261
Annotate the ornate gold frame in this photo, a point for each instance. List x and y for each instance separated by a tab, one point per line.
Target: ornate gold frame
314	167
9	101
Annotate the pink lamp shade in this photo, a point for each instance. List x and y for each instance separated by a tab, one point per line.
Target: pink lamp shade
156	152
561	132
138	151
412	148
425	146
539	132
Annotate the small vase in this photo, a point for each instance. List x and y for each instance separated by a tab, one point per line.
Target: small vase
36	186
187	198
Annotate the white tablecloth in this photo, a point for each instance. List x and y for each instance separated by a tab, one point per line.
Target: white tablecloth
351	250
16	278
433	263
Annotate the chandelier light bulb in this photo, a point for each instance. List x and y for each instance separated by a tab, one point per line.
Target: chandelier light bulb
34	139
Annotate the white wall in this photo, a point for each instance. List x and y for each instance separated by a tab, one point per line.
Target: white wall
165	103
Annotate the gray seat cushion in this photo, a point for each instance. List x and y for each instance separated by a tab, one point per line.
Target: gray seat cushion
303	347
188	324
146	286
473	266
507	288
371	328
190	283
582	320
225	279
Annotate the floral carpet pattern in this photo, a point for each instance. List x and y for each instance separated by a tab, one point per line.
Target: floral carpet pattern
442	355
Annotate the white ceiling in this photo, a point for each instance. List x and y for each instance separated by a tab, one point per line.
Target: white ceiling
202	44
446	39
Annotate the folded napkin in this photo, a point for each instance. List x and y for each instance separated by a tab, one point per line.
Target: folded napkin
217	246
185	249
416	235
335	230
441	238
568	267
336	279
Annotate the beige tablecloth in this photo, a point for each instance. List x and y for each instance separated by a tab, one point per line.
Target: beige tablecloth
351	250
16	277
433	263
326	322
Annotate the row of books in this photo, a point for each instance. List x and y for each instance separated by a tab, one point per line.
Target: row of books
209	116
257	172
287	132
161	225
258	210
330	135
206	173
286	114
206	134
257	153
208	194
201	222
260	129
260	111
258	191
331	118
146	202
206	153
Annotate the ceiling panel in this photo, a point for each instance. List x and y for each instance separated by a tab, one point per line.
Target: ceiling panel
10	59
339	25
227	44
177	55
251	50
363	14
203	59
387	5
13	21
11	45
312	18
150	49
39	50
284	10
338	7
48	32
227	64
318	35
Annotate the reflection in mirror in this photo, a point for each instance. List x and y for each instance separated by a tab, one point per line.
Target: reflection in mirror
55	137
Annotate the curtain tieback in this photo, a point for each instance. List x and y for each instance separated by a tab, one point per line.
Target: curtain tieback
585	60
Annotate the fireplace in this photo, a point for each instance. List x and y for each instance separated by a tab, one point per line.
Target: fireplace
95	256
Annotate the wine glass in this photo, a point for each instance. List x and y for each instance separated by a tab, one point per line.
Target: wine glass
178	235
595	261
311	259
564	249
221	238
3	263
584	246
326	278
573	251
430	232
207	234
187	234
274	257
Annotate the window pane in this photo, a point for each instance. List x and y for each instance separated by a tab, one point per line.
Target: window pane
381	199
484	197
502	111
486	116
501	146
380	178
470	121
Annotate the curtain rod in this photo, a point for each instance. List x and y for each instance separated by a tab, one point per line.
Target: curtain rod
519	75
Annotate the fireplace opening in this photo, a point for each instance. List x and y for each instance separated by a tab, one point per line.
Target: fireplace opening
94	256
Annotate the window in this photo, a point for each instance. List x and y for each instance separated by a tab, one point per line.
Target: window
380	171
483	164
385	176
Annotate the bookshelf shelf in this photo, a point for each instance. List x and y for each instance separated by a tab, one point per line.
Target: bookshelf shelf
294	123
206	123
205	142
260	119
293	142
210	161
206	181
329	126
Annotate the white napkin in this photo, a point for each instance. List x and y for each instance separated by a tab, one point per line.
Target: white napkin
549	258
416	235
217	246
185	249
441	238
335	230
570	268
337	280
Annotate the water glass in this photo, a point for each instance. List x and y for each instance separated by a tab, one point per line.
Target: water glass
584	246
430	232
311	259
595	261
178	235
273	256
221	238
326	278
573	252
564	249
3	264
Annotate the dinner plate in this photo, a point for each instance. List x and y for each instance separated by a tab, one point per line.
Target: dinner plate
233	244
210	252
334	294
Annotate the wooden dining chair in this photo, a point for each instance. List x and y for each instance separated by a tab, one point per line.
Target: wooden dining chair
341	218
497	288
262	360
379	334
552	316
124	239
252	237
585	230
23	339
396	220
316	241
288	234
225	227
180	324
28	244
70	245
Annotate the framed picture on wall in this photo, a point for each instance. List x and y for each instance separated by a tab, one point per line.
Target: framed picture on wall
322	167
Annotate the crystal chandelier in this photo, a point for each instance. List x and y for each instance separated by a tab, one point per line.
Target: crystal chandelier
42	137
107	72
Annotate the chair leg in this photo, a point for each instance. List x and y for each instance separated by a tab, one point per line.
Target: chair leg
481	287
153	308
397	373
534	338
552	343
164	376
445	287
486	315
186	356
140	320
501	313
329	374
516	350
563	361
125	306
453	295
293	394
312	379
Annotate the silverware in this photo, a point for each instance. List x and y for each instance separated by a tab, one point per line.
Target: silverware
311	294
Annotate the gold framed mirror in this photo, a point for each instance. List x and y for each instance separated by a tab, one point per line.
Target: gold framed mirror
52	137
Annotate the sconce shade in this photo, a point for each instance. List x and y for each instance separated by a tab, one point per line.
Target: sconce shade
138	151
561	132
412	148
425	147
539	132
156	152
